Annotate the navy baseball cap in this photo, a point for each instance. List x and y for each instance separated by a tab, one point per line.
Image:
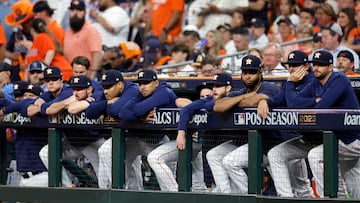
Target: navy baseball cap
42	5
323	57
257	22
5	66
111	77
297	57
346	54
37	66
80	81
77	5
33	88
52	72
221	79
250	62
153	45
19	88
146	75
286	21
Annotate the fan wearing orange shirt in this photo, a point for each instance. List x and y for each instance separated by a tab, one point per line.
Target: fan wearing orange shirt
47	48
2	43
42	10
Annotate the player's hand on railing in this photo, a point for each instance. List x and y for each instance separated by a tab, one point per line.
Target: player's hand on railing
181	140
149	118
263	109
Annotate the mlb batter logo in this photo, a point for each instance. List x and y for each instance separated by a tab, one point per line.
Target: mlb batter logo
239	118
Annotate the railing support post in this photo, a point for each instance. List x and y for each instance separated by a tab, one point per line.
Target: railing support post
118	158
184	165
54	150
330	164
255	159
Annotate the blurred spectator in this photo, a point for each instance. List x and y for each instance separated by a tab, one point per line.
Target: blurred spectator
5	83
215	43
138	20
285	9
237	19
42	10
272	60
154	53
46	48
193	11
331	39
132	54
287	34
305	30
325	14
346	4
36	73
5	9
241	40
191	38
257	9
111	21
2	43
353	41
307	16
218	12
345	63
15	51
179	53
82	39
258	38
346	21
255	52
165	20
210	66
229	43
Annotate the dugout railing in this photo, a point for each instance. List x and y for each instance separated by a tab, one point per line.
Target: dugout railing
280	119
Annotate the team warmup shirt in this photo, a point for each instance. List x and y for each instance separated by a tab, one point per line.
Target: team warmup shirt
336	93
187	111
138	106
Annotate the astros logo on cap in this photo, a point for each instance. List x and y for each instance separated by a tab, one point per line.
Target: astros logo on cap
76	80
317	55
248	61
291	56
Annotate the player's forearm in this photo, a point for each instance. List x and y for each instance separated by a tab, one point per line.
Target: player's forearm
77	107
227	103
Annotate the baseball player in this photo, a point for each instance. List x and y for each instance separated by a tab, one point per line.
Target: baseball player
152	94
168	152
27	143
291	154
227	161
331	90
117	93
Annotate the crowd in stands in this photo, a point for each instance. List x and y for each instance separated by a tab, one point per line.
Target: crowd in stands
72	57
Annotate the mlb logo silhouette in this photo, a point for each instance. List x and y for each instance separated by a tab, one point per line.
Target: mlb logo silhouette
239	118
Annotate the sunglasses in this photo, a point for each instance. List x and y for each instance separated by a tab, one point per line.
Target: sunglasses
51	79
35	71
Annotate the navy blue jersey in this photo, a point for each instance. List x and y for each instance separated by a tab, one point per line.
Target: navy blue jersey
138	106
20	106
130	90
49	99
336	93
98	90
270	90
28	144
187	111
280	100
